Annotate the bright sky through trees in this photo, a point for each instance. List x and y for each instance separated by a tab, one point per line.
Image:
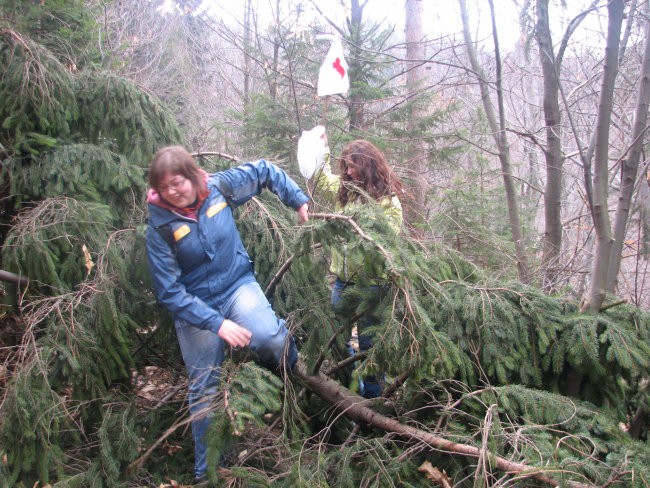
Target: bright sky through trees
441	17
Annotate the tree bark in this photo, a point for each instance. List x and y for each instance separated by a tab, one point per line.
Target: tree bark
10	277
600	208
248	36
644	205
498	129
553	152
414	81
356	106
630	165
273	84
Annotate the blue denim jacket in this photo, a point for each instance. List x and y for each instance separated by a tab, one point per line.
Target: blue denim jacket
207	259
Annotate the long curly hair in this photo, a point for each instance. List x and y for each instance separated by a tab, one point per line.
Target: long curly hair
375	178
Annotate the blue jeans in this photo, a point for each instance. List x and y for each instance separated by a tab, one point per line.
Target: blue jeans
203	353
371	386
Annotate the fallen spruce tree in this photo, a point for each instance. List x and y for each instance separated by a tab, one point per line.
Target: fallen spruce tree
478	374
489	382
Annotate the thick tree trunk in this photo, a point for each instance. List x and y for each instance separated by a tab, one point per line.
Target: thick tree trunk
414	81
553	152
630	166
355	408
498	128
600	208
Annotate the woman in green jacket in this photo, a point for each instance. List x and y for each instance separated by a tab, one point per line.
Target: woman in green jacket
364	174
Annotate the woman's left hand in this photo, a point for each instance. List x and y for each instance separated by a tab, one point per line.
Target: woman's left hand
303	214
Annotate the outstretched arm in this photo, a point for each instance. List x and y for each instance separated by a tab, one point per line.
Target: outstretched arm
248	180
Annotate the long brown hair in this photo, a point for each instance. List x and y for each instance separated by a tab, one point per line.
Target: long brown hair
175	160
377	179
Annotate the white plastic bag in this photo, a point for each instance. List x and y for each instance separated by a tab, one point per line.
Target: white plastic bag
312	150
333	74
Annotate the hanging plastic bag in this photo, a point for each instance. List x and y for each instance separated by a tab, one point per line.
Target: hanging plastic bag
312	150
333	74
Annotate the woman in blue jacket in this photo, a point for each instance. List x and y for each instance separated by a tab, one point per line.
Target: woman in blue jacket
204	276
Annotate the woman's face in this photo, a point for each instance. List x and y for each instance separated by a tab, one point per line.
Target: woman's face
353	172
177	190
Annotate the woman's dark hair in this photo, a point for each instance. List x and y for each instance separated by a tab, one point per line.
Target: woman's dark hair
376	178
175	160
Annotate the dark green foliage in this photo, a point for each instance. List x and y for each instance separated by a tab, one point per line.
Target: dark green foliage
46	244
250	393
65	27
472	219
270	126
74	150
88	172
37	98
38	422
442	320
115	112
582	438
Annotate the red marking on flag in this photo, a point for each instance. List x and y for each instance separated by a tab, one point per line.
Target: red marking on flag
337	66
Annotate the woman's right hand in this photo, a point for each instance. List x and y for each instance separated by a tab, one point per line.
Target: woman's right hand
234	334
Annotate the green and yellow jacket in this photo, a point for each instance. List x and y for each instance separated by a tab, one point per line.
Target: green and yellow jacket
351	263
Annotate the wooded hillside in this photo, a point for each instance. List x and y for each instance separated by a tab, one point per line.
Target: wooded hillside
515	329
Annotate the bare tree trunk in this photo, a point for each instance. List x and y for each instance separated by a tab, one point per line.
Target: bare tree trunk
553	153
356	106
248	36
630	165
628	28
600	209
414	80
498	129
273	84
644	204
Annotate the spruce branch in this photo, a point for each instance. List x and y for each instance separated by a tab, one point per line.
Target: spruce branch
138	463
330	343
328	216
215	153
277	277
346	362
14	278
612	305
399	381
354	407
286	266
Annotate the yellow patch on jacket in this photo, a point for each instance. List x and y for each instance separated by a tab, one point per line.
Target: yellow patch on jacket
181	232
215	209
